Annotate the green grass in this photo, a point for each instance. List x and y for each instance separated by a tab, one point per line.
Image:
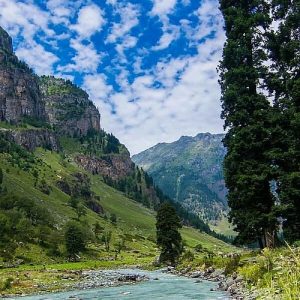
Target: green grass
135	224
134	221
223	227
274	273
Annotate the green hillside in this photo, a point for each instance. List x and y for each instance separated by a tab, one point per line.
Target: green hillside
135	223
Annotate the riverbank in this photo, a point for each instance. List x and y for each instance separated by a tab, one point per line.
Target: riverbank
267	274
34	279
153	284
233	284
76	280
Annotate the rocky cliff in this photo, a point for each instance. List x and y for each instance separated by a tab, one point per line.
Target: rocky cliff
68	107
112	166
19	91
33	138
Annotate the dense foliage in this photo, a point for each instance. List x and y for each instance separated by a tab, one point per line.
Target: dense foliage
283	83
168	236
261	166
23	221
58	86
75	238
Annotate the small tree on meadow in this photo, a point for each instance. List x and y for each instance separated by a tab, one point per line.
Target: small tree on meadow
106	238
168	236
80	211
75	239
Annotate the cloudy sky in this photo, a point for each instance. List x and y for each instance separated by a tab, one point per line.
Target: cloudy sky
149	65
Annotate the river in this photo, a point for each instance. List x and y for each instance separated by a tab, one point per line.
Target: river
167	287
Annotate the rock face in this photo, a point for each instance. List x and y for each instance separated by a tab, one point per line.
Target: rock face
113	166
33	138
190	171
19	91
24	97
68	107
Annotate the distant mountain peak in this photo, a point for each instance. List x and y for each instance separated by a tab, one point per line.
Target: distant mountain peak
190	171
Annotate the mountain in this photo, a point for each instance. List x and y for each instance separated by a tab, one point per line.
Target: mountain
57	165
190	171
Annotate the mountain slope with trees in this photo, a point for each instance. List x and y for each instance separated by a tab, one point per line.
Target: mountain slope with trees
190	172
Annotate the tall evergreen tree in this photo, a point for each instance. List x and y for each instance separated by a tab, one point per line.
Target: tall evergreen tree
168	236
283	82
246	112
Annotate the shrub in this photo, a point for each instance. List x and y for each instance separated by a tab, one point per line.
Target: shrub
232	265
252	273
199	248
113	219
7	284
188	256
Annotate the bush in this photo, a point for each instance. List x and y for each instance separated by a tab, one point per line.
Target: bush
199	248
252	273
232	265
7	284
113	219
44	187
188	256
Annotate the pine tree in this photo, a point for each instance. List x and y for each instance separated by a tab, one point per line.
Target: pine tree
246	112
168	236
283	82
75	239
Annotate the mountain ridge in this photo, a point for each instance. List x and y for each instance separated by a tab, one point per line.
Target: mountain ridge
193	163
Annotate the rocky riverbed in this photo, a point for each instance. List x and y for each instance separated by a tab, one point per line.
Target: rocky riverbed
80	280
97	279
232	284
117	284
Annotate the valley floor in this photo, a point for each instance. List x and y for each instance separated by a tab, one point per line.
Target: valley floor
270	274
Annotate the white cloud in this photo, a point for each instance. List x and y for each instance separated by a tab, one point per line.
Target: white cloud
86	59
129	15
97	87
90	20
170	33
37	58
186	99
28	20
163	7
186	103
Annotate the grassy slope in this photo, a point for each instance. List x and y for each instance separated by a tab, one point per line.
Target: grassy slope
133	219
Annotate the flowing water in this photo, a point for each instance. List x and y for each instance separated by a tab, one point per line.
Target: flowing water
167	287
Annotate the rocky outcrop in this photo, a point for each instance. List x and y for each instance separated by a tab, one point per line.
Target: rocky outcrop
68	107
33	138
48	99
19	91
113	166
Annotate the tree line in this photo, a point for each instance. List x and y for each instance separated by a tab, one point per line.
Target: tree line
260	84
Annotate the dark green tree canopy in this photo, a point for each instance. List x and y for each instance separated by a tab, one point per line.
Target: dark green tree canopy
168	236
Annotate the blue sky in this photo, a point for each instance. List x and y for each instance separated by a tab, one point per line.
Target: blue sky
148	65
